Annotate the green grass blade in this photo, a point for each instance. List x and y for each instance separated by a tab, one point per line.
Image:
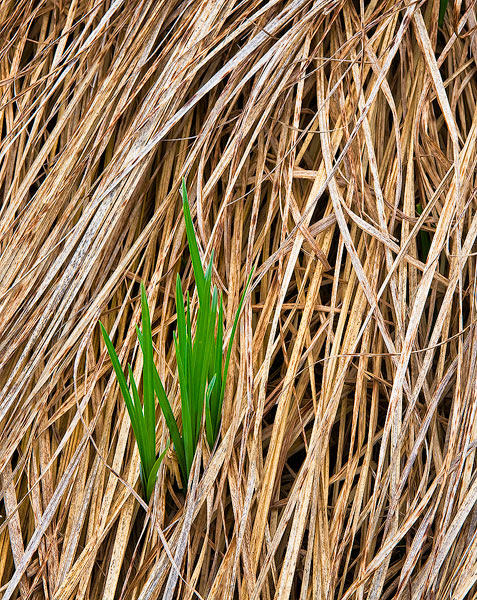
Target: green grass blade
187	436
171	424
189	371
188	321
116	366
133	405
208	276
209	354
184	349
219	339
151	481
197	357
146	454
136	400
193	247
216	368
130	404
181	318
147	383
202	355
442	11
168	416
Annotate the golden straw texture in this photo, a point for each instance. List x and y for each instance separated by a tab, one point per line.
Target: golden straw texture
333	145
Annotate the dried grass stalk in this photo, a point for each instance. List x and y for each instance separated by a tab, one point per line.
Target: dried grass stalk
325	141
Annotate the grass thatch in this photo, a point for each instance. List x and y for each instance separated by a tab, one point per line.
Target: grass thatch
312	133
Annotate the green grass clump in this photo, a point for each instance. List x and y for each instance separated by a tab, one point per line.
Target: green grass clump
202	370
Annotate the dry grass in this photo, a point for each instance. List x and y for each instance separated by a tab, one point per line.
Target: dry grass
308	130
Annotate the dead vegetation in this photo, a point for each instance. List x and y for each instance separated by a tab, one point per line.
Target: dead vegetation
309	131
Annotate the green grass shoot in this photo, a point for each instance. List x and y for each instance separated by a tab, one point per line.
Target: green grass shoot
202	370
442	11
142	415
